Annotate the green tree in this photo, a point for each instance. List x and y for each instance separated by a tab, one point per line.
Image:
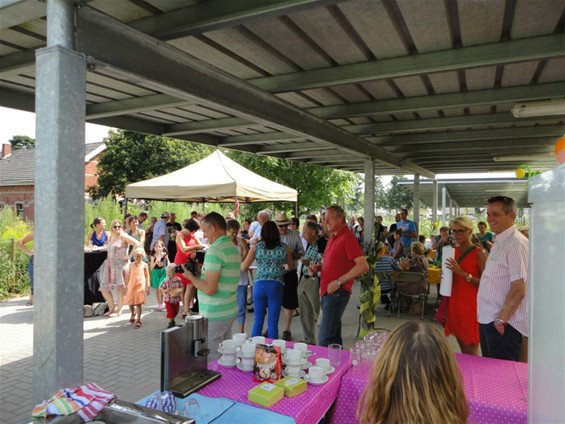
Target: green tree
317	186
130	157
398	196
22	142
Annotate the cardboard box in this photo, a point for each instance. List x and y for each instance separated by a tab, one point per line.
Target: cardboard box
292	386
265	394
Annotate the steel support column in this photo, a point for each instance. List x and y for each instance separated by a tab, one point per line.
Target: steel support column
369	209
59	208
434	201
417	203
443	205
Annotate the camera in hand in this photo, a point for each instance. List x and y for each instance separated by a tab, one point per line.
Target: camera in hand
191	266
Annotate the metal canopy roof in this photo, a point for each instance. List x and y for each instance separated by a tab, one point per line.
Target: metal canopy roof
421	86
471	193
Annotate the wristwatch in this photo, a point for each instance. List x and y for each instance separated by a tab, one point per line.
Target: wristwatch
469	278
338	282
499	323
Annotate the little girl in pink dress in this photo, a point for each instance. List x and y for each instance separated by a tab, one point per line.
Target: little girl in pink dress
137	286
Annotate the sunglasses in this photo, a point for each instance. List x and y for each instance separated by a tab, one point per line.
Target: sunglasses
117	226
457	231
282	226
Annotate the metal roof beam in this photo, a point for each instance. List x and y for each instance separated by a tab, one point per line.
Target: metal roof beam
132	105
292	147
171	71
495	54
456	122
206	125
218	14
17	63
17	12
443	101
271	137
395	141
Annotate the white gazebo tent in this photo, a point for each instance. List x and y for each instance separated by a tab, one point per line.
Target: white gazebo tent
215	178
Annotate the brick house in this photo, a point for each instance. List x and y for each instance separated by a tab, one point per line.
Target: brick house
17	171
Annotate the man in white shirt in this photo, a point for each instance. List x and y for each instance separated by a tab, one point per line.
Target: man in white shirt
502	302
255	227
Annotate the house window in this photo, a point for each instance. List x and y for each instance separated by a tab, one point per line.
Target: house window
20	209
1	206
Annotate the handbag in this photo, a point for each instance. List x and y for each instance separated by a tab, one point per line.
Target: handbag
441	313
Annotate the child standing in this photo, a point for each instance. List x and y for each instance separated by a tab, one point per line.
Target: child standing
137	286
241	245
159	261
171	288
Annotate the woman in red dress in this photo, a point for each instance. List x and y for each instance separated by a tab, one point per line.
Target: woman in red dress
187	245
467	267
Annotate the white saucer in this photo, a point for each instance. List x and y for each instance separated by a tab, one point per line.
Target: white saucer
316	383
300	375
240	367
220	351
301	363
220	362
330	370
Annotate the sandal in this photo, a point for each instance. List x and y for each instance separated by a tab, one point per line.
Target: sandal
113	315
184	315
137	324
132	319
29	303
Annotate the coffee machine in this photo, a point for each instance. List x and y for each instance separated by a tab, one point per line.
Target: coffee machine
184	357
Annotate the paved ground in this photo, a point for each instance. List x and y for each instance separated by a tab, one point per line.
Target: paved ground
133	369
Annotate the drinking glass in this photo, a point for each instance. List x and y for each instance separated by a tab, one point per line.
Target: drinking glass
334	354
355	356
192	408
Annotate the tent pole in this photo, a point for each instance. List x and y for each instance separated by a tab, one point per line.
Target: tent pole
125	207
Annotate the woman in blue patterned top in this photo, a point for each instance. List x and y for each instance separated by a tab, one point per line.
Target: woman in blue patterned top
271	255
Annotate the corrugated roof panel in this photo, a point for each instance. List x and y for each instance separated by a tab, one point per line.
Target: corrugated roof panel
20	39
103	80
444	82
518	73
329	35
480	21
380	90
352	93
125	11
532	18
480	78
553	70
420	18
411	86
284	39
297	100
479	110
324	96
373	24
428	114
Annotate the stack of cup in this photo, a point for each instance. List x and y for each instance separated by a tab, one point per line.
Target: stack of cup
302	347
227	349
247	356
293	361
258	340
239	338
280	343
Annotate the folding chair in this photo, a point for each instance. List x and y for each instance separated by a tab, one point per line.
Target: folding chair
411	284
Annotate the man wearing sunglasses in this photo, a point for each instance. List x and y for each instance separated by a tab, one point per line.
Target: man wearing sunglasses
502	301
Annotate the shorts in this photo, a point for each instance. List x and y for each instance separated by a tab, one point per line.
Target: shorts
290	290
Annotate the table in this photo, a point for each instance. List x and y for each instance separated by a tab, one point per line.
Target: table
307	408
496	391
92	261
434	275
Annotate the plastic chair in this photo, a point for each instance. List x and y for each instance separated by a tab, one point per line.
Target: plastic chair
411	284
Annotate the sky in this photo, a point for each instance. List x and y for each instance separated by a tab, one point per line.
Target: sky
16	122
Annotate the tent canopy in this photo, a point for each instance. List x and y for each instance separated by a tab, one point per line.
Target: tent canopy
215	178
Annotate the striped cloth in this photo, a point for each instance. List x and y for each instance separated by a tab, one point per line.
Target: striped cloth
86	400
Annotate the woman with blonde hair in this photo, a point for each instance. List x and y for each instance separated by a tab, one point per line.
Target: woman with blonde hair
467	265
415	380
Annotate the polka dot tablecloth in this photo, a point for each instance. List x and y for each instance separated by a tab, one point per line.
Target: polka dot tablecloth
306	408
496	391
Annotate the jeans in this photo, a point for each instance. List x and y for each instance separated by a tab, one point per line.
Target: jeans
267	293
493	345
30	272
241	303
333	307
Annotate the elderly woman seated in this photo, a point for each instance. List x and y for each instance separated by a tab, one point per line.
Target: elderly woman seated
417	262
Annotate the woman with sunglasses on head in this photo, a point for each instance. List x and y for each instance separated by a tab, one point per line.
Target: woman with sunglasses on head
114	269
467	266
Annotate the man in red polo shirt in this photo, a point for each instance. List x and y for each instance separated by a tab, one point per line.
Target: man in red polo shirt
343	262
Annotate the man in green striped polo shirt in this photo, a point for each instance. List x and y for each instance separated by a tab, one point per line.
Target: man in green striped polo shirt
217	285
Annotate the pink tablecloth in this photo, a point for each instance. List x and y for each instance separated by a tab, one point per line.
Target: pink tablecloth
496	391
307	408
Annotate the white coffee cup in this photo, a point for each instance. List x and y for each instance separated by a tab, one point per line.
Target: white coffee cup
293	370
323	363
316	374
239	338
293	356
248	350
247	362
228	358
258	340
280	343
302	347
228	346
